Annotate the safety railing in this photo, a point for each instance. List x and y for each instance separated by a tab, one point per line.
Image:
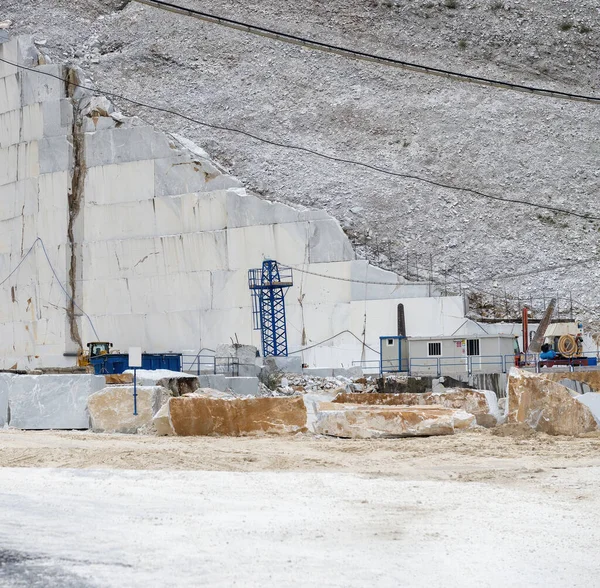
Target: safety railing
489	364
368	366
210	364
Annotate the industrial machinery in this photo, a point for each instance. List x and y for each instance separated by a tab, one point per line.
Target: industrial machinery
269	285
94	349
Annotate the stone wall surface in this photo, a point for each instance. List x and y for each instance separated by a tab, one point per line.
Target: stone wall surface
197	415
51	401
153	240
546	406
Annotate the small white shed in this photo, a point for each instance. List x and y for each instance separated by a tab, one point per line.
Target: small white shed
482	353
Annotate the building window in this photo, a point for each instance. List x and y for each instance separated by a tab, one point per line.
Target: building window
473	347
434	349
390	342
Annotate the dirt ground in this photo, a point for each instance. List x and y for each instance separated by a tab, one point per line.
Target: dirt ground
493	508
502	454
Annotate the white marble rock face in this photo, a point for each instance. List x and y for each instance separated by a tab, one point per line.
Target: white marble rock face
5	382
51	401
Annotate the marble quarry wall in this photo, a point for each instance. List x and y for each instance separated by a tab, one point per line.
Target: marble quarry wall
153	240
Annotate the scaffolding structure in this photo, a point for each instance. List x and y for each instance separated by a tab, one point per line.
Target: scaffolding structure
268	285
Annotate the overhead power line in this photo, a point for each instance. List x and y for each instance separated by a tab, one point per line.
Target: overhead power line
388	172
364	56
71	299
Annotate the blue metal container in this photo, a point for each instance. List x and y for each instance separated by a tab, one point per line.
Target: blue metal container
117	363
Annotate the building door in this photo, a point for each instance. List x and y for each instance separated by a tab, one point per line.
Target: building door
473	354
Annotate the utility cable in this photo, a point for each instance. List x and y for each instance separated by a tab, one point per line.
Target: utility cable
71	299
333	337
363	56
334	158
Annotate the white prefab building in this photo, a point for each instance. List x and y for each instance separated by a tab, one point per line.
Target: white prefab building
451	355
124	234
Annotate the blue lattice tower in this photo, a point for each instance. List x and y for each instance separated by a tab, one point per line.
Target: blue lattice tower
269	285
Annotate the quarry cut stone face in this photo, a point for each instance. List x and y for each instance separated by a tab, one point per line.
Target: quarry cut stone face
5	383
480	403
546	406
111	409
197	415
51	401
360	421
164	239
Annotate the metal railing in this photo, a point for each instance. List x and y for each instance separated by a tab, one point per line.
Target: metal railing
490	364
210	364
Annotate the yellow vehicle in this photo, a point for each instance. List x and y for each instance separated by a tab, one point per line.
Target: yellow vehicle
94	349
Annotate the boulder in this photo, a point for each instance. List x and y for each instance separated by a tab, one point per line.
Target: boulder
483	404
359	421
178	383
162	421
55	401
546	406
118	379
199	415
111	409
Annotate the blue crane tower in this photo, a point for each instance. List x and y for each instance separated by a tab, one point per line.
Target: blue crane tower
269	285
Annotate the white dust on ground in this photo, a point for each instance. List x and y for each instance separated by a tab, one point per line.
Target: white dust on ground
474	509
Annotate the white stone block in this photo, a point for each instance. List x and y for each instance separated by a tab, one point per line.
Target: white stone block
57	117
125	144
10	128
28	160
5	384
328	242
38	87
8	164
126	182
53	191
32	128
179	174
245	210
247	247
51	401
55	154
8	51
10	94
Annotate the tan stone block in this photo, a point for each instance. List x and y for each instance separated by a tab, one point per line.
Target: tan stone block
116	379
361	421
546	406
198	415
472	401
111	409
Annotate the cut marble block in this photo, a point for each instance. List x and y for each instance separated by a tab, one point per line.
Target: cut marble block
51	401
111	409
546	406
5	383
197	415
362	421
